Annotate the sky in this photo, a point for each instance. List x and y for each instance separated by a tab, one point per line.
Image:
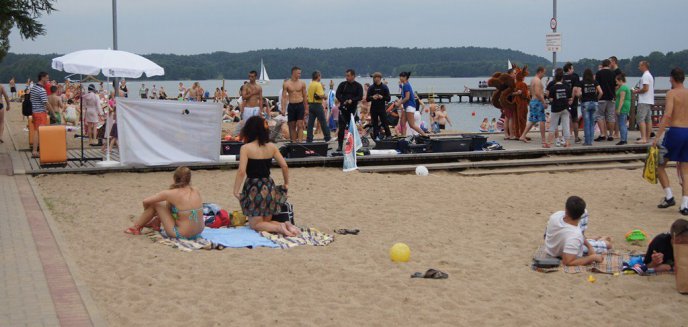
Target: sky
590	28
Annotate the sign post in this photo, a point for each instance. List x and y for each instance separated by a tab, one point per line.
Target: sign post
553	26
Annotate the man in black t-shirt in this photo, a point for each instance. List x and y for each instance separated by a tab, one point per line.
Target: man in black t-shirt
573	81
561	98
614	65
660	252
606	111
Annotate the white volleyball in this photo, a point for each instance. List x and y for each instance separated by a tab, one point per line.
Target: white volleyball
421	171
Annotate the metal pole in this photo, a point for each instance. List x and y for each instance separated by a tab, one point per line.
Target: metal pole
554	54
114	24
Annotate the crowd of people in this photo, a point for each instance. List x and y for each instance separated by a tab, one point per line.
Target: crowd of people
604	100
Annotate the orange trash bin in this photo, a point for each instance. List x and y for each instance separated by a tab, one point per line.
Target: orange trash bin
53	141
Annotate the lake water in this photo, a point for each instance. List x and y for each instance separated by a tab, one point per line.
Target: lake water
464	116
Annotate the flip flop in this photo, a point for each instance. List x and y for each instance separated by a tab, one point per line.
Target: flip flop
431	274
133	230
344	231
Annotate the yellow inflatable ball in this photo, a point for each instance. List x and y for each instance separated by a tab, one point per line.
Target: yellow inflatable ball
400	252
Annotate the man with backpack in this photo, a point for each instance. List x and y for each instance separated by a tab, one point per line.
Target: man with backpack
39	108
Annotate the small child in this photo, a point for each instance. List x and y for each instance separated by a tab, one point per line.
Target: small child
660	252
334	117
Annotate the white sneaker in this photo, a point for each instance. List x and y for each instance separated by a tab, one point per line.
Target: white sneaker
558	143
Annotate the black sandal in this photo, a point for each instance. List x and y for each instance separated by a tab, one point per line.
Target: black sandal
347	231
431	274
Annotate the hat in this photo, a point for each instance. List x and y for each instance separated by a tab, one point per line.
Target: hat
91	87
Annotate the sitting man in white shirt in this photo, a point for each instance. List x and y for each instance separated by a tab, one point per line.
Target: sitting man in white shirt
564	238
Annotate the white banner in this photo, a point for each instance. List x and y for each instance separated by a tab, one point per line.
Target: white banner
162	132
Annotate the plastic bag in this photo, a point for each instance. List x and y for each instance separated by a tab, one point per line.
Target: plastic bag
651	162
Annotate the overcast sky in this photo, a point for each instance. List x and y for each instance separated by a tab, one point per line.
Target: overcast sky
590	28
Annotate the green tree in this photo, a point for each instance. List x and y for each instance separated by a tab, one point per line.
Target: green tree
24	14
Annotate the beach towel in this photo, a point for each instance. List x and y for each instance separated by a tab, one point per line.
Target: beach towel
241	237
309	236
183	245
612	263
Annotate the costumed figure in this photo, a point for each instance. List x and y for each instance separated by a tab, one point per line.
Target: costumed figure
522	99
508	103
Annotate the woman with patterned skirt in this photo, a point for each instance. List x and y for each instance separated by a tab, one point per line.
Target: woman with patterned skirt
260	198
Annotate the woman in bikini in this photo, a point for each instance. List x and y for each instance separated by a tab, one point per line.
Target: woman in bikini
260	197
179	209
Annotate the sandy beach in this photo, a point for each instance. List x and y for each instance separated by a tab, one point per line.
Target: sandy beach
452	223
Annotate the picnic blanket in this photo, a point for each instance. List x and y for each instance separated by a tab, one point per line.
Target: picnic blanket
183	245
309	236
240	237
613	263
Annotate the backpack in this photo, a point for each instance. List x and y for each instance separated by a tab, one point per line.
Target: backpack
286	213
27	108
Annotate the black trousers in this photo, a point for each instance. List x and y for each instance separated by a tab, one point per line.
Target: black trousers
344	120
379	116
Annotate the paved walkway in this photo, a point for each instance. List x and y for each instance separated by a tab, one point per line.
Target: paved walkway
36	286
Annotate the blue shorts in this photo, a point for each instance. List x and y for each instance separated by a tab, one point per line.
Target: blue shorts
676	143
537	112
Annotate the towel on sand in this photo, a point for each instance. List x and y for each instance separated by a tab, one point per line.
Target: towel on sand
183	245
240	237
309	236
612	263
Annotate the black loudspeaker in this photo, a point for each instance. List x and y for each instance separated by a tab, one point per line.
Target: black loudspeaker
453	144
230	148
305	150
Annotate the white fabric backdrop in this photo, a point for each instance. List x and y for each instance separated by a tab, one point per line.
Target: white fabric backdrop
160	132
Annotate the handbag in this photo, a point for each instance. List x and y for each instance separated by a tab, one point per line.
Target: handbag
286	213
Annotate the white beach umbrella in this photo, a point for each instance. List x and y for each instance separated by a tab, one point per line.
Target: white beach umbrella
112	63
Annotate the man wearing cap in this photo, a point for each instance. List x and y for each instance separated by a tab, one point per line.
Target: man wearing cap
378	96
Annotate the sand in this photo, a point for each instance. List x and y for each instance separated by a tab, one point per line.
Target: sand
450	222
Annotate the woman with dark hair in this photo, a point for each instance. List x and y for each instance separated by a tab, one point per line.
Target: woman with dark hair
408	102
590	94
164	208
261	198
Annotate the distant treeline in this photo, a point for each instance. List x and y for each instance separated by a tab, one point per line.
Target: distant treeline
444	62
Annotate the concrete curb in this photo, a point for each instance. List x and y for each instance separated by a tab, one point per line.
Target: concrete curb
92	308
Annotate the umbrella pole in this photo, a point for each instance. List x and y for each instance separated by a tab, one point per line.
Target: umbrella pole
107	120
81	116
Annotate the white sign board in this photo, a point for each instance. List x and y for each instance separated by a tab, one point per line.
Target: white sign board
161	132
553	42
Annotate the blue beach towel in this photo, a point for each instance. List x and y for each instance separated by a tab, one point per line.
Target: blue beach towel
240	237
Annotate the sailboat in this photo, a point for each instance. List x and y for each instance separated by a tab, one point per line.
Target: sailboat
263	79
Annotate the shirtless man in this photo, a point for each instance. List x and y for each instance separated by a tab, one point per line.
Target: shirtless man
295	90
676	139
193	92
56	107
13	88
3	107
537	106
252	95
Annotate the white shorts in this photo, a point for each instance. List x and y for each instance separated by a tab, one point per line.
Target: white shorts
409	130
250	112
600	246
410	109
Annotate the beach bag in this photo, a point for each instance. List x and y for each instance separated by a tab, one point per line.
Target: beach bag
651	162
681	267
237	219
286	213
26	105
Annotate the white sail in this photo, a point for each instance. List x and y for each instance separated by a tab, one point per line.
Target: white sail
509	64
263	73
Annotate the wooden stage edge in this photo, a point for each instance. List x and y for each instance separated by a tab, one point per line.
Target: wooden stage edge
32	166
